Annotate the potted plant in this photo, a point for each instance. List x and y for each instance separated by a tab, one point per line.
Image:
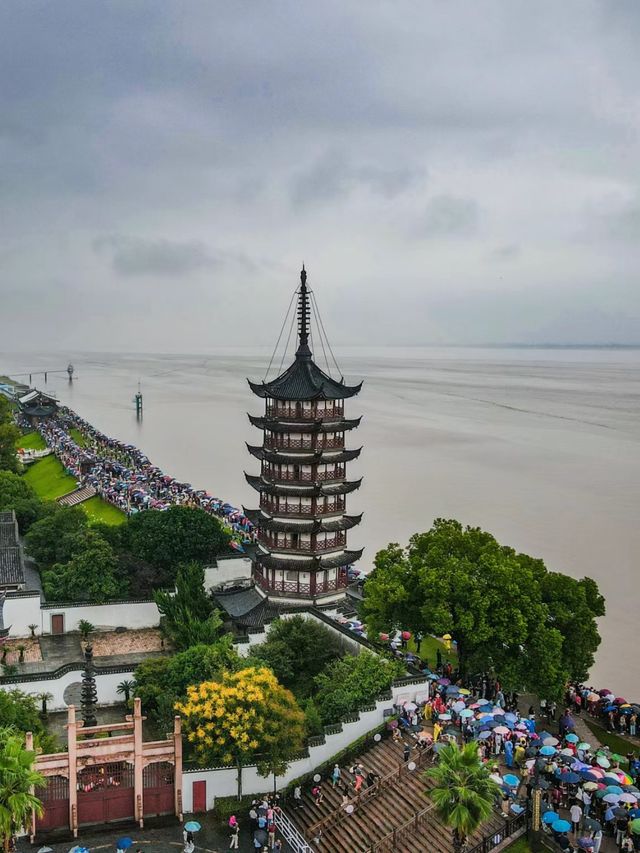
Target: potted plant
33	628
44	698
85	627
21	650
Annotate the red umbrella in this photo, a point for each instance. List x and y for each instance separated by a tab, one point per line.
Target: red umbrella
604	692
620	701
406	635
384	637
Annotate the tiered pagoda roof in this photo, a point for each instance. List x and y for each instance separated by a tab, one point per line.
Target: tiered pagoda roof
281	536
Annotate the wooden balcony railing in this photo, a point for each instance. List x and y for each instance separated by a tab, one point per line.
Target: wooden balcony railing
274	472
291	442
272	541
298	413
280	507
316	587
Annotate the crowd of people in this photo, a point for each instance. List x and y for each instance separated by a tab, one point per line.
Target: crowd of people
122	475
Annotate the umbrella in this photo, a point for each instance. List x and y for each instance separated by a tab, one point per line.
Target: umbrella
543	784
567	778
484	735
616	757
611	798
549	817
410	706
635	826
566	751
444	681
483	702
498	712
452	690
260	836
192	826
584	746
45	850
501	730
511	780
592	824
590	786
511	718
551	741
628	798
548	750
561	826
572	738
620	812
125	843
458	706
464	692
613	789
543	735
78	849
603	762
466	713
444	717
586	843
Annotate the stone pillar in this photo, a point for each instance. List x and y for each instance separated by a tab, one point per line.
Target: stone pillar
177	775
72	753
28	745
137	762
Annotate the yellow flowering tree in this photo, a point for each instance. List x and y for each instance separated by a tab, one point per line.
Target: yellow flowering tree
245	716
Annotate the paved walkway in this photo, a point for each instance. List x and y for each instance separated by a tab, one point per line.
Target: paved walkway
167	839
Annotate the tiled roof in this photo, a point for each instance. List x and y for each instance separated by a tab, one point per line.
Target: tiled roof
312	490
275	425
304	380
11	571
307	564
305	457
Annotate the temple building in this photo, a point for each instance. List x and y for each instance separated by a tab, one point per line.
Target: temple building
302	520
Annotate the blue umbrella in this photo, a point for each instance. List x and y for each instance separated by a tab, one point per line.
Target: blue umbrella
124	843
572	738
511	779
561	826
482	702
613	789
568	778
192	826
588	776
510	718
544	735
548	750
549	817
484	735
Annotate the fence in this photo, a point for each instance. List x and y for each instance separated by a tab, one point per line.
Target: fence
513	826
290	833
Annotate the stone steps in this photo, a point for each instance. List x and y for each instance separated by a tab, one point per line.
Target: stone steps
394	805
78	496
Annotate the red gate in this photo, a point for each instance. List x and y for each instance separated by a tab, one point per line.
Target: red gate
105	793
55	799
158	795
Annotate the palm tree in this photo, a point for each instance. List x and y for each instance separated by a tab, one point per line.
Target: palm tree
44	698
125	687
33	628
17	780
85	627
21	650
463	794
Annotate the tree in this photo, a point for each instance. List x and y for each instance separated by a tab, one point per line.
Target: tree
53	539
90	575
490	599
44	697
17	779
85	627
17	494
19	711
124	689
161	682
188	616
244	716
177	535
297	649
351	682
463	793
9	435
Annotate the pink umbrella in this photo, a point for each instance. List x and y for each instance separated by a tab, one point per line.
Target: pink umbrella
501	730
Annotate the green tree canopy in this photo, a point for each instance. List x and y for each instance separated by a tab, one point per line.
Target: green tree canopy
347	684
19	711
463	793
9	435
297	649
17	494
53	539
161	682
90	574
188	616
17	778
504	610
175	536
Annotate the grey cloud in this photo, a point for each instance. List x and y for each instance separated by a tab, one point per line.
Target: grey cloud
449	216
508	252
132	256
333	176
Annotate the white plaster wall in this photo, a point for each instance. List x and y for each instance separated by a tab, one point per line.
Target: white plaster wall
128	614
106	684
20	612
236	568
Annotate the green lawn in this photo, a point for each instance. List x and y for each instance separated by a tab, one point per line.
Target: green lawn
99	510
428	649
49	479
78	437
615	743
31	441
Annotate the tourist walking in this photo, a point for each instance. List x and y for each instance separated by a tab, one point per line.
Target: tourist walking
335	775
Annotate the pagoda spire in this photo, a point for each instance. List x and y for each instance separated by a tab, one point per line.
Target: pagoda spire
304	317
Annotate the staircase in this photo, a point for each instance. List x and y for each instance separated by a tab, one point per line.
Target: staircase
77	497
396	816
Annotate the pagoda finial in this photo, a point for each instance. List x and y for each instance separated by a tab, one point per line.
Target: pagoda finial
303	350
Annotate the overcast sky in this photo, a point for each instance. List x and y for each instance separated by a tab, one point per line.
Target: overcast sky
450	172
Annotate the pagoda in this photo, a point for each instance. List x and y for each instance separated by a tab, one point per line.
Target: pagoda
302	522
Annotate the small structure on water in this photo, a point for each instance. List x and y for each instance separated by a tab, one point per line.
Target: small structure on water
302	520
